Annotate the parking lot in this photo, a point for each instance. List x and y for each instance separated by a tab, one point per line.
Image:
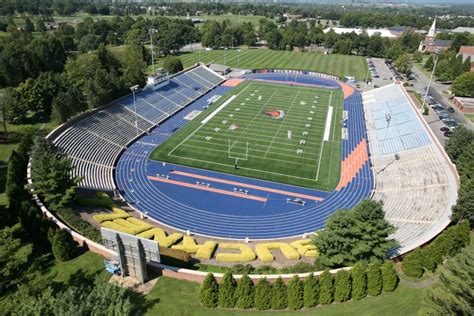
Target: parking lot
380	73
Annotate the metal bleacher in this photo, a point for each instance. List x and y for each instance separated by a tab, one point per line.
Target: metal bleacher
94	143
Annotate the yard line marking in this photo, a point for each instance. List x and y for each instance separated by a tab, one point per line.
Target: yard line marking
246	185
223	105
198	187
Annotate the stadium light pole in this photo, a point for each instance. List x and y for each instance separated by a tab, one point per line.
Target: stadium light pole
151	32
437	51
134	89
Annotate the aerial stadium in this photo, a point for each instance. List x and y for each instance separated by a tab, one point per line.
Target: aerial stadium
268	154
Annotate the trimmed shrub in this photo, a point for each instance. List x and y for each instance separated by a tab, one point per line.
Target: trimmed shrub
159	235
227	291
131	225
412	264
295	293
326	289
264	269
206	251
264	254
189	245
244	294
246	253
374	279
279	295
102	199
74	221
64	248
359	281
117	213
209	291
311	291
342	286
175	257
263	295
242	269
305	247
389	277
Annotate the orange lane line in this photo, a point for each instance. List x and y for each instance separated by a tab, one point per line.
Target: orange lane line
194	186
245	185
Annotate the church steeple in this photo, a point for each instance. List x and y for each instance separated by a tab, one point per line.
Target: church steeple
432	31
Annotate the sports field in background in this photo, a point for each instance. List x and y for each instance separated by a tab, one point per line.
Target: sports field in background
340	65
274	132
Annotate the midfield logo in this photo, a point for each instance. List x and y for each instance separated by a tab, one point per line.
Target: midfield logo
279	114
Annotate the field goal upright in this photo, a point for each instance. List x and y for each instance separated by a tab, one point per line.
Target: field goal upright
236	156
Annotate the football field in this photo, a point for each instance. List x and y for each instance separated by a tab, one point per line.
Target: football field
276	132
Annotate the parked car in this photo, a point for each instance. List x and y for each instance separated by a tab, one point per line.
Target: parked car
450	109
451	124
448	133
444	129
437	107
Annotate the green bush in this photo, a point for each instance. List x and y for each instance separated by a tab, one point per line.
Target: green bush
389	277
279	294
244	294
209	291
242	269
374	279
263	295
173	64
101	200
359	281
342	286
295	293
300	267
175	257
63	246
73	220
326	288
412	264
227	291
264	269
311	291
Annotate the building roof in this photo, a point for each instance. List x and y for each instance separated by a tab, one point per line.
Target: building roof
468	50
432	31
219	67
441	43
463	29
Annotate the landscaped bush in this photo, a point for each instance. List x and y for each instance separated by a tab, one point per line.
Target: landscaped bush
246	253
74	221
389	277
305	247
300	267
359	281
209	291
374	280
63	246
159	235
102	199
263	295
326	288
295	293
412	264
279	295
130	226
242	269
311	291
175	257
117	213
244	294
227	288
206	251
342	286
264	269
189	245
264	254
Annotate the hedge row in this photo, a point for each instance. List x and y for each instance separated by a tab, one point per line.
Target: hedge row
263	251
328	288
245	253
446	245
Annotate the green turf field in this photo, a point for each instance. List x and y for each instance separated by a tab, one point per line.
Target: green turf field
239	127
339	65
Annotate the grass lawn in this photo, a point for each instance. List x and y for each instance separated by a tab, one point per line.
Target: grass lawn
470	116
252	124
178	297
340	65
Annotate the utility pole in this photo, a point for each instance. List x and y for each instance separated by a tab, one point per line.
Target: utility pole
431	77
134	89
151	32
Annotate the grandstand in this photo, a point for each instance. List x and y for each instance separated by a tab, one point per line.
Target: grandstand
94	143
414	178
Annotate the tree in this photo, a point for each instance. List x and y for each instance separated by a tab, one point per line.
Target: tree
404	64
63	246
374	279
311	291
360	234
279	294
359	281
173	64
429	64
263	295
29	26
463	86
453	293
209	291
295	293
326	288
342	286
15	184
244	294
227	291
14	255
460	140
389	277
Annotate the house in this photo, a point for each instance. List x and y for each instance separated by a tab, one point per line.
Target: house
431	44
467	52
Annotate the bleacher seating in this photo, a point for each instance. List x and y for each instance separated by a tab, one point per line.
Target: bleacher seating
417	187
94	143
